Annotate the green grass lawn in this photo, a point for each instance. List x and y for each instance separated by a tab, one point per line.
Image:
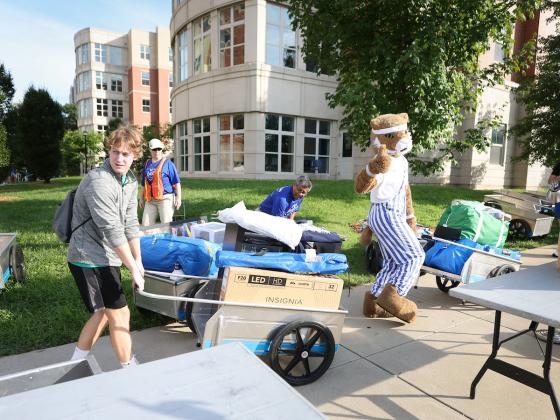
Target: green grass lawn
47	310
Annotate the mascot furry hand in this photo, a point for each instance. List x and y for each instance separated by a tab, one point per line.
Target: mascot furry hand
391	138
385	177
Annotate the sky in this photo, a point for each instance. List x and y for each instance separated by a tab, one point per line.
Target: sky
37	36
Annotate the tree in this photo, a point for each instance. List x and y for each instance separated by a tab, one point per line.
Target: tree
539	130
70	115
75	145
7	91
15	145
41	127
419	57
4	154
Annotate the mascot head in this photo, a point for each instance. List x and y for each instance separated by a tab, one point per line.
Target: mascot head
392	131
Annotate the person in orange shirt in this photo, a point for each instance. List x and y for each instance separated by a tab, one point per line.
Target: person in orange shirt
161	193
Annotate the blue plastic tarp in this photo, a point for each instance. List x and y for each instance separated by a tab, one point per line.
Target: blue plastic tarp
196	257
328	263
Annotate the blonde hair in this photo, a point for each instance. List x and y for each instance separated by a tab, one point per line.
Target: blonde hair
128	135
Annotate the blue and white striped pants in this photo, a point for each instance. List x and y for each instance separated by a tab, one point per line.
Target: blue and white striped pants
402	253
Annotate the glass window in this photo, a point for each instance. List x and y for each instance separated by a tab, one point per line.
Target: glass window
116	83
201	140
82	54
117	109
316	146
100	80
116	55
170	78
100	53
346	145
280	38
145	76
232	35
232	143
183	146
102	107
498	145
83	81
183	62
145	105
202	45
102	129
84	108
171	54
279	143
145	52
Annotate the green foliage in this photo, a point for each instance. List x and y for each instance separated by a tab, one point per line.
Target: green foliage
7	91
70	116
419	57
13	136
76	145
4	154
539	130
41	128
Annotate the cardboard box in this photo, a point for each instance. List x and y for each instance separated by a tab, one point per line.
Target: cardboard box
241	284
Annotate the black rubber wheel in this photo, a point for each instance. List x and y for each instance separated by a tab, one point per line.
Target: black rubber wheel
493	204
519	229
445	285
302	351
501	270
189	306
17	263
374	257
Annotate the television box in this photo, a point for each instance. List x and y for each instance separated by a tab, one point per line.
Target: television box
241	284
212	231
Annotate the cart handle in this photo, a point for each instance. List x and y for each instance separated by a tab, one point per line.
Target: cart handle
245	304
186	276
476	250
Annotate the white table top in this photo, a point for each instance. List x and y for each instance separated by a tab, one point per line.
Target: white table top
532	293
222	382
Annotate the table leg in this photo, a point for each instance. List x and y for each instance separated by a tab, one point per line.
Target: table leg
546	370
495	347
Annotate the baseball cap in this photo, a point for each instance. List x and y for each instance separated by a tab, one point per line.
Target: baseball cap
155	144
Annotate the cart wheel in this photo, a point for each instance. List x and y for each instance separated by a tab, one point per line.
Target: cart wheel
519	229
17	263
302	351
501	270
493	204
189	306
445	285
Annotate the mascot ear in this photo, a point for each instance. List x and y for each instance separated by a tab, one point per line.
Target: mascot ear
374	123
404	116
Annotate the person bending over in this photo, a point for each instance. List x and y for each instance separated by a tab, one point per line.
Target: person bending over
286	201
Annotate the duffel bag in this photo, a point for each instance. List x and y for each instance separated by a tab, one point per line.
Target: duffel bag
449	258
478	222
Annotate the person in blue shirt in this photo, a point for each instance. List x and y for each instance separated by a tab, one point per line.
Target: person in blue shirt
286	201
161	193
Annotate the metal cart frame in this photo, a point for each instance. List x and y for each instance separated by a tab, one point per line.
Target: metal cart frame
11	259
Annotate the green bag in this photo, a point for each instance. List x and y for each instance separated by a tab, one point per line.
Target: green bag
477	222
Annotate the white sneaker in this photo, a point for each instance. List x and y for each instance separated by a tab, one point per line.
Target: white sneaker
543	335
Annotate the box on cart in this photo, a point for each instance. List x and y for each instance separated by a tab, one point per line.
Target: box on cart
241	284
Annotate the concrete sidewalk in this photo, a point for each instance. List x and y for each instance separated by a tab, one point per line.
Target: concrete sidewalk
386	369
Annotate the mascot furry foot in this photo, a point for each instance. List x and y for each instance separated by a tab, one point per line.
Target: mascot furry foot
372	309
399	306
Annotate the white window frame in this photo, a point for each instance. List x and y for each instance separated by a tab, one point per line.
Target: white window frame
102	107
283	28
204	137
182	56
200	37
145	52
232	133
117	108
182	136
100	80
100	53
281	133
145	78
497	146
229	47
117	86
146	103
317	137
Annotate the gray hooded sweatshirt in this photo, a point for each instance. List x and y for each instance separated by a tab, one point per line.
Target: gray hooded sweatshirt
112	207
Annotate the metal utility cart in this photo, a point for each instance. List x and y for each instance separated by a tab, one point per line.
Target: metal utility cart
479	266
11	259
530	213
300	343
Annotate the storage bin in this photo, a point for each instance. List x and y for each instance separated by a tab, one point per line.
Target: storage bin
212	231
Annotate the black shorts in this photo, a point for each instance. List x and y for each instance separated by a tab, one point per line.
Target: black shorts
99	287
